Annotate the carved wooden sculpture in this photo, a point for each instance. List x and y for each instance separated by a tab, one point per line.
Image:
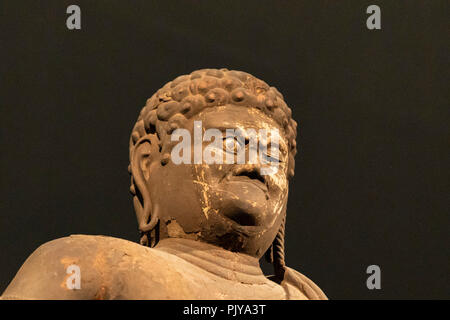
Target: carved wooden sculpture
203	226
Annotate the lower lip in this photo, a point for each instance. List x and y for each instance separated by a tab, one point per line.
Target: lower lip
248	230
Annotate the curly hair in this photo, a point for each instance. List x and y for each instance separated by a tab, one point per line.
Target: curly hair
187	95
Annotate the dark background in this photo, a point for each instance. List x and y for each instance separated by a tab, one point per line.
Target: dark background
371	184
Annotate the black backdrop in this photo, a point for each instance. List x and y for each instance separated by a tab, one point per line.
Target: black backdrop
372	166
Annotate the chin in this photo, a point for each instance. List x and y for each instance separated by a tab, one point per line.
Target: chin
241	210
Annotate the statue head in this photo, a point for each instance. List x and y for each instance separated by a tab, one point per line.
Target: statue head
179	192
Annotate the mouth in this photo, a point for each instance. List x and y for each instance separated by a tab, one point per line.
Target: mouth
247	175
242	218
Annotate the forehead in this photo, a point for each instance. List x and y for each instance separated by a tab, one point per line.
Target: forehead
231	116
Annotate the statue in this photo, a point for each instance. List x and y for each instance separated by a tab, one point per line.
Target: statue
203	225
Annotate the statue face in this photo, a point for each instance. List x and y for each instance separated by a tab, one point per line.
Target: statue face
234	205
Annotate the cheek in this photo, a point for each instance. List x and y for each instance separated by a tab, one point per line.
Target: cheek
279	181
173	189
203	182
210	174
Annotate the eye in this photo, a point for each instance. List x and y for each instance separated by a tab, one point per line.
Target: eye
232	144
272	153
268	158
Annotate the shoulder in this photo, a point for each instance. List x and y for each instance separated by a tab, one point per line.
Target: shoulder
100	262
294	283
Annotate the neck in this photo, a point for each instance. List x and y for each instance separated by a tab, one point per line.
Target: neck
216	260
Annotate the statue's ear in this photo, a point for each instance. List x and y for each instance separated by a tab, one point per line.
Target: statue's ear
144	154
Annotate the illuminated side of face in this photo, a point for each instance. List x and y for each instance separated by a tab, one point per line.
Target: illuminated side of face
232	204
